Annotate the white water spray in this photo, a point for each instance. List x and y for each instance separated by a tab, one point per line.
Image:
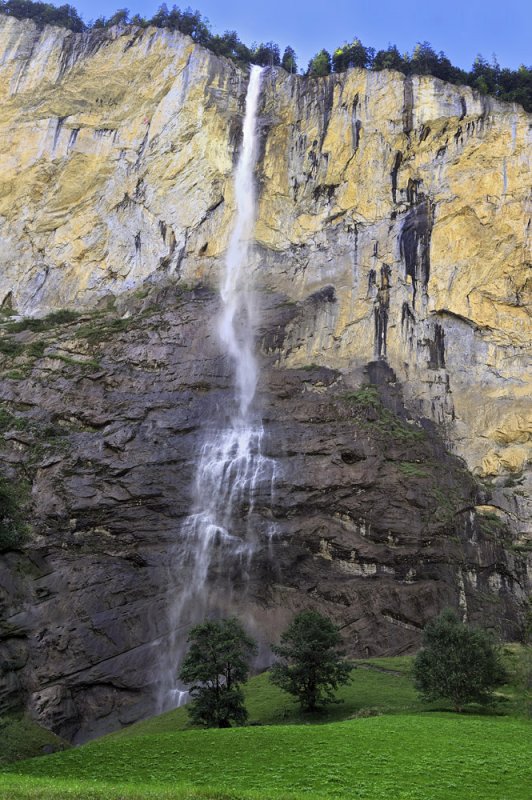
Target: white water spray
217	541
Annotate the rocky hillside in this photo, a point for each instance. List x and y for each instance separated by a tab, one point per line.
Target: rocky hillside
393	241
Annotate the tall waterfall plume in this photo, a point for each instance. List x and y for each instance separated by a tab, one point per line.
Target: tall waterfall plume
217	541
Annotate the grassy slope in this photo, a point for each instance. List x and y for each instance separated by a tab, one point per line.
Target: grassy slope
409	753
379	685
371	690
436	756
20	738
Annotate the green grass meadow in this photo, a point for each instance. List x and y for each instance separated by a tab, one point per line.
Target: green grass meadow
380	742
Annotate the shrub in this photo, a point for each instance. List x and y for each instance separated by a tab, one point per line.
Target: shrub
457	663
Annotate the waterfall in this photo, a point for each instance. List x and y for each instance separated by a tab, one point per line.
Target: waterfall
217	541
235	290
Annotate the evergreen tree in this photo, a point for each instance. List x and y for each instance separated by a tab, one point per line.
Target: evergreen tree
352	55
311	667
486	77
120	17
390	58
320	65
266	54
424	59
230	46
136	19
457	663
215	666
289	60
44	13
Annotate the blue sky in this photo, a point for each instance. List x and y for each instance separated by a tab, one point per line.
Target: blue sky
460	29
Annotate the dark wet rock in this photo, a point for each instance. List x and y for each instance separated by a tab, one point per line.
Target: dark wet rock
374	521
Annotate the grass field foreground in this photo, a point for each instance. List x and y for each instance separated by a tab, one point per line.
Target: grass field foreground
404	757
381	741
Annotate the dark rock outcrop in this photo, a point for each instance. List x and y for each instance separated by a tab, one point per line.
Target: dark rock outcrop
373	521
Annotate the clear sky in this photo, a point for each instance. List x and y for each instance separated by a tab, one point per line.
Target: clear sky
462	29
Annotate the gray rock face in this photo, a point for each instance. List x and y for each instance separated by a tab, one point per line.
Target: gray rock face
392	229
375	523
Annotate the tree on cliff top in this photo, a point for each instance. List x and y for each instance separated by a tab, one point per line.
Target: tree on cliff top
215	666
320	65
289	60
311	667
44	13
457	663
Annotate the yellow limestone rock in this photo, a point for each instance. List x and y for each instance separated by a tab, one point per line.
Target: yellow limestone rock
116	148
410	197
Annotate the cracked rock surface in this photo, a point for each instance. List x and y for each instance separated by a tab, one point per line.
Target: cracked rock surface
374	522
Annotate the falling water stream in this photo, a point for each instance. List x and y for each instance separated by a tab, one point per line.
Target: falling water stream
217	541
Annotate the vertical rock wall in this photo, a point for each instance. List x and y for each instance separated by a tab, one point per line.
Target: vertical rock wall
393	248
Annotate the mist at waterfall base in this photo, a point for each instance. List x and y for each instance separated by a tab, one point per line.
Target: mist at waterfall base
217	542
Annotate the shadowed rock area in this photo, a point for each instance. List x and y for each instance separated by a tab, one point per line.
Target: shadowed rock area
104	415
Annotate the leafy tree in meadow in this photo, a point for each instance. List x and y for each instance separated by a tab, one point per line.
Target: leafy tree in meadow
457	663
215	667
311	666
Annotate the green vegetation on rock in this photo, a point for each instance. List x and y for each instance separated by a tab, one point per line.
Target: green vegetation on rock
37	324
368	407
22	738
13	528
412	470
99	330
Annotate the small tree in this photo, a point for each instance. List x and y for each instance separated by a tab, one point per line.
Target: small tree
120	17
266	54
525	667
289	60
215	666
352	55
311	668
457	663
390	59
320	65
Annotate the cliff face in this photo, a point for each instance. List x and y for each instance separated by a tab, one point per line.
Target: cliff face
410	196
374	523
393	240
